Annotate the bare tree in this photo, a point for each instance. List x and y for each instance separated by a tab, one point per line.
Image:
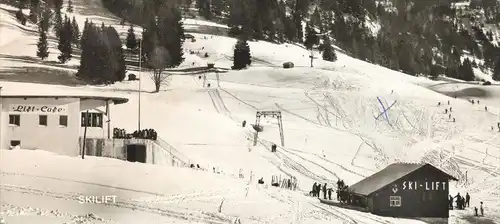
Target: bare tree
158	61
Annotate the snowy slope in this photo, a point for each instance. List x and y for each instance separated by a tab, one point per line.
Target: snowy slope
329	126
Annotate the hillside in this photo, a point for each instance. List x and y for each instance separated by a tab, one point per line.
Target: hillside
329	124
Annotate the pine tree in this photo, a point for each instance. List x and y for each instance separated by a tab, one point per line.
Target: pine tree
65	38
466	73
131	40
58	22
311	37
170	33
241	56
204	8
496	70
34	10
76	32
70	6
44	23
328	50
116	57
42	45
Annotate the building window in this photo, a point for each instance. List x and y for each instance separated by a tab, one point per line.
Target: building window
15	143
42	120
63	120
395	201
92	120
15	119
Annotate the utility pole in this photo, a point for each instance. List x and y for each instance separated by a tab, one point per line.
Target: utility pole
140	78
1	108
86	121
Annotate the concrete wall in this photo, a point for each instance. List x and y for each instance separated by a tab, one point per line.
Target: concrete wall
117	148
52	137
96	106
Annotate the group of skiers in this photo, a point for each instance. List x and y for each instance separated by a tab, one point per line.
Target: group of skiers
463	202
317	190
446	110
342	191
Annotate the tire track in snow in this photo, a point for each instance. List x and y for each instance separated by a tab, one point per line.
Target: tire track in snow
201	217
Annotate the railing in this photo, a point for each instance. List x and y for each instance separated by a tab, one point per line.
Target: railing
176	154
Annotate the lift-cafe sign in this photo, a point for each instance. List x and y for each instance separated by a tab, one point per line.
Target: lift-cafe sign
38	109
419	185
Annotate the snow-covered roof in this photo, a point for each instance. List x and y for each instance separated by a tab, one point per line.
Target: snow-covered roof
388	175
115	99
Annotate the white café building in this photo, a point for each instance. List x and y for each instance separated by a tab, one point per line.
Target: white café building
55	122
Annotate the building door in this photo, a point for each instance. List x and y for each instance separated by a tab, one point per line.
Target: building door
136	153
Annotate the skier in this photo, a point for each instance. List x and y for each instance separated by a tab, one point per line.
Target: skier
450	202
486	108
324	191
439	103
467	199
450	110
458	200
314	189
475	211
482	210
445	111
477	101
449	116
453	119
318	189
330	193
244	123
448	102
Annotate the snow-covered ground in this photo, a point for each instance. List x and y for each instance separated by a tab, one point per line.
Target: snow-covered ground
330	132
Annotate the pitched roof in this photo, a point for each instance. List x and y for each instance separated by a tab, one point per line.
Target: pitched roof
386	176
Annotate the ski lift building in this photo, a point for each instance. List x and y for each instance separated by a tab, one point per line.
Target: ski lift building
405	190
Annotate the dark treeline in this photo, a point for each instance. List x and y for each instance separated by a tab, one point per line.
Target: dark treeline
102	58
416	37
425	37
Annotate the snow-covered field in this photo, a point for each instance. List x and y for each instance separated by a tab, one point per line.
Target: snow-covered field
330	132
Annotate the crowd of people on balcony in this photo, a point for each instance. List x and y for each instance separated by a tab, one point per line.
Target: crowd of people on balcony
142	134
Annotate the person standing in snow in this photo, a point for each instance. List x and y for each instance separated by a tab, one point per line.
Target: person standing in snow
453	119
458	197
445	111
449	116
318	190
448	102
485	108
439	103
314	190
450	202
330	193
324	191
467	200
482	210
475	211
450	109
